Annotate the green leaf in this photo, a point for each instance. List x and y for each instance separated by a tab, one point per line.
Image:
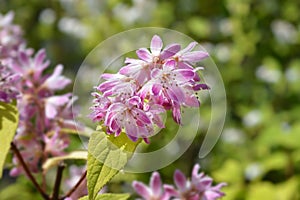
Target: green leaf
75	155
9	118
107	155
108	196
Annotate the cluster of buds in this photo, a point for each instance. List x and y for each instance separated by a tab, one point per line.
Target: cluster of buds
198	187
43	115
161	79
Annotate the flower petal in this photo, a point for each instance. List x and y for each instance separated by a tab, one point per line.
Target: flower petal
144	54
155	183
140	115
142	190
194	56
24	59
52	104
56	81
169	51
175	93
156	45
188	48
185	74
171	191
169	65
156	88
180	180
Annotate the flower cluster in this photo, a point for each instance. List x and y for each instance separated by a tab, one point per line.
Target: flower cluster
161	79
199	187
11	37
10	42
8	80
44	116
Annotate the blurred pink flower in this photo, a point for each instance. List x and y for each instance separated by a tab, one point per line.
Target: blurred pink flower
154	191
8	80
198	188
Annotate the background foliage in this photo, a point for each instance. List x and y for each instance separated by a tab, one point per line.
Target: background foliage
255	44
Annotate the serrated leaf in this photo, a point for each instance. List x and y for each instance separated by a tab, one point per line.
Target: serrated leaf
108	196
9	118
107	155
75	155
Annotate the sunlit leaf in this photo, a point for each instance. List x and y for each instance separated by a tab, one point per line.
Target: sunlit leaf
107	156
9	118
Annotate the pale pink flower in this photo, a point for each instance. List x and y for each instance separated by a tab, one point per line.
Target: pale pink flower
186	58
138	69
157	55
11	40
56	81
199	187
162	79
8	81
31	68
53	103
56	143
120	86
154	191
131	116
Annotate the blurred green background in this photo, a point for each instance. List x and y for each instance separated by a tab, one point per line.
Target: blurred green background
255	44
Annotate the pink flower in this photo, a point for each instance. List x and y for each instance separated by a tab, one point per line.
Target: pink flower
154	192
11	40
8	80
199	187
30	68
137	69
53	103
56	81
186	58
156	54
43	114
118	85
160	80
170	84
56	144
167	82
131	116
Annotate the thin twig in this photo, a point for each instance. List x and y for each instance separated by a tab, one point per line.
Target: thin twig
58	179
75	187
27	171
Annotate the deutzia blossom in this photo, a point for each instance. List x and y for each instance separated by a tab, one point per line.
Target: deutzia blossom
8	80
199	187
154	191
44	116
135	98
